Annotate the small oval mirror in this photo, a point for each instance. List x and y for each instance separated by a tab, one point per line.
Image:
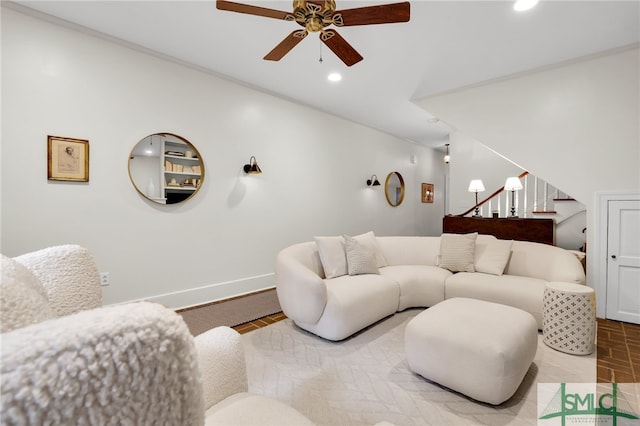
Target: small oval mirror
394	189
166	168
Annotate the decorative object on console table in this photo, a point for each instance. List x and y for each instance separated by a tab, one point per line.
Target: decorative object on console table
67	159
427	193
520	229
513	184
569	318
476	186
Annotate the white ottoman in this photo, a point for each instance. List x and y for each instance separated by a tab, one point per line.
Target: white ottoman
477	348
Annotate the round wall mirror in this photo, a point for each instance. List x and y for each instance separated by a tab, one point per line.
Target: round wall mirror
394	189
166	168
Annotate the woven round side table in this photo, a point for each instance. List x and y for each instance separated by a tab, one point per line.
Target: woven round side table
569	318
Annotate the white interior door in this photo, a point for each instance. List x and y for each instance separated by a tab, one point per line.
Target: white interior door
623	261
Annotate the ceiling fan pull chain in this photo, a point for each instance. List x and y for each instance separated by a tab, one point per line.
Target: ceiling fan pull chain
320	46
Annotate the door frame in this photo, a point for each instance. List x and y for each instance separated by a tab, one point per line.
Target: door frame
599	252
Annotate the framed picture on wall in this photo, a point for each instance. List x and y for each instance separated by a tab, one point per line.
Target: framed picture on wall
427	193
67	159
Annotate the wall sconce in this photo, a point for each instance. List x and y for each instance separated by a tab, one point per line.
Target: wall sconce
513	184
373	181
252	168
447	157
476	186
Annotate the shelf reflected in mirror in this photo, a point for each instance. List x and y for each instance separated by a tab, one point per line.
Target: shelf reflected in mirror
166	168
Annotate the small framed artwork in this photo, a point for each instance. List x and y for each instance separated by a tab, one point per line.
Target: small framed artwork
67	159
427	193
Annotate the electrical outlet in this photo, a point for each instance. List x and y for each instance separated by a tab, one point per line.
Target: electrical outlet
104	278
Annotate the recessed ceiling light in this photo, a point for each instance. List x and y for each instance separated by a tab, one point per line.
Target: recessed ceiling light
334	76
522	5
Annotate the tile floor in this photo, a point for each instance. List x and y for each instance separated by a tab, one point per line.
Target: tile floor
618	348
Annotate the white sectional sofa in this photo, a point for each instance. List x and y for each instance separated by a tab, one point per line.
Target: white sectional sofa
412	272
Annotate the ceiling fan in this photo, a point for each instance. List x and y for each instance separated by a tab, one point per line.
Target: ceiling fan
316	16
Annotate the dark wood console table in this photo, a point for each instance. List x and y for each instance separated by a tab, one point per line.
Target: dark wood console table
536	230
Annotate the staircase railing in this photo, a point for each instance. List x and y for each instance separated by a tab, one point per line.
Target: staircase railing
494	195
537	200
544	199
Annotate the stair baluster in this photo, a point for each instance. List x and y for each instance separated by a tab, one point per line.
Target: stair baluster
506	204
535	193
526	196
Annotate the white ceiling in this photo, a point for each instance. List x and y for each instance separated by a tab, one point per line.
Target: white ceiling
445	46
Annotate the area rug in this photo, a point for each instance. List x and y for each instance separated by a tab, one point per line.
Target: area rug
231	312
365	379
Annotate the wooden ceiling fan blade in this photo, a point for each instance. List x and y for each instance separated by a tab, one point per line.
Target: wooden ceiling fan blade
253	10
340	47
286	45
369	15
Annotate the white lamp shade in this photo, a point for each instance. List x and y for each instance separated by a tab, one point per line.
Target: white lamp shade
513	184
476	185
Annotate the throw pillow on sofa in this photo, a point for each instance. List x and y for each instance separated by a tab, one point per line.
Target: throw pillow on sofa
457	252
492	258
369	239
333	255
361	258
23	299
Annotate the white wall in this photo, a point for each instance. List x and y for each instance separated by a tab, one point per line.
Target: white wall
223	242
575	125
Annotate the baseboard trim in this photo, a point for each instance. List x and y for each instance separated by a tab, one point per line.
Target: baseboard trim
229	299
215	292
231	312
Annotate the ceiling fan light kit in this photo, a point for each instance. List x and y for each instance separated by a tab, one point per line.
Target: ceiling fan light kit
316	16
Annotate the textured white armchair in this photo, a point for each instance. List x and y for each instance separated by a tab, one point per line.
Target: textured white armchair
65	361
